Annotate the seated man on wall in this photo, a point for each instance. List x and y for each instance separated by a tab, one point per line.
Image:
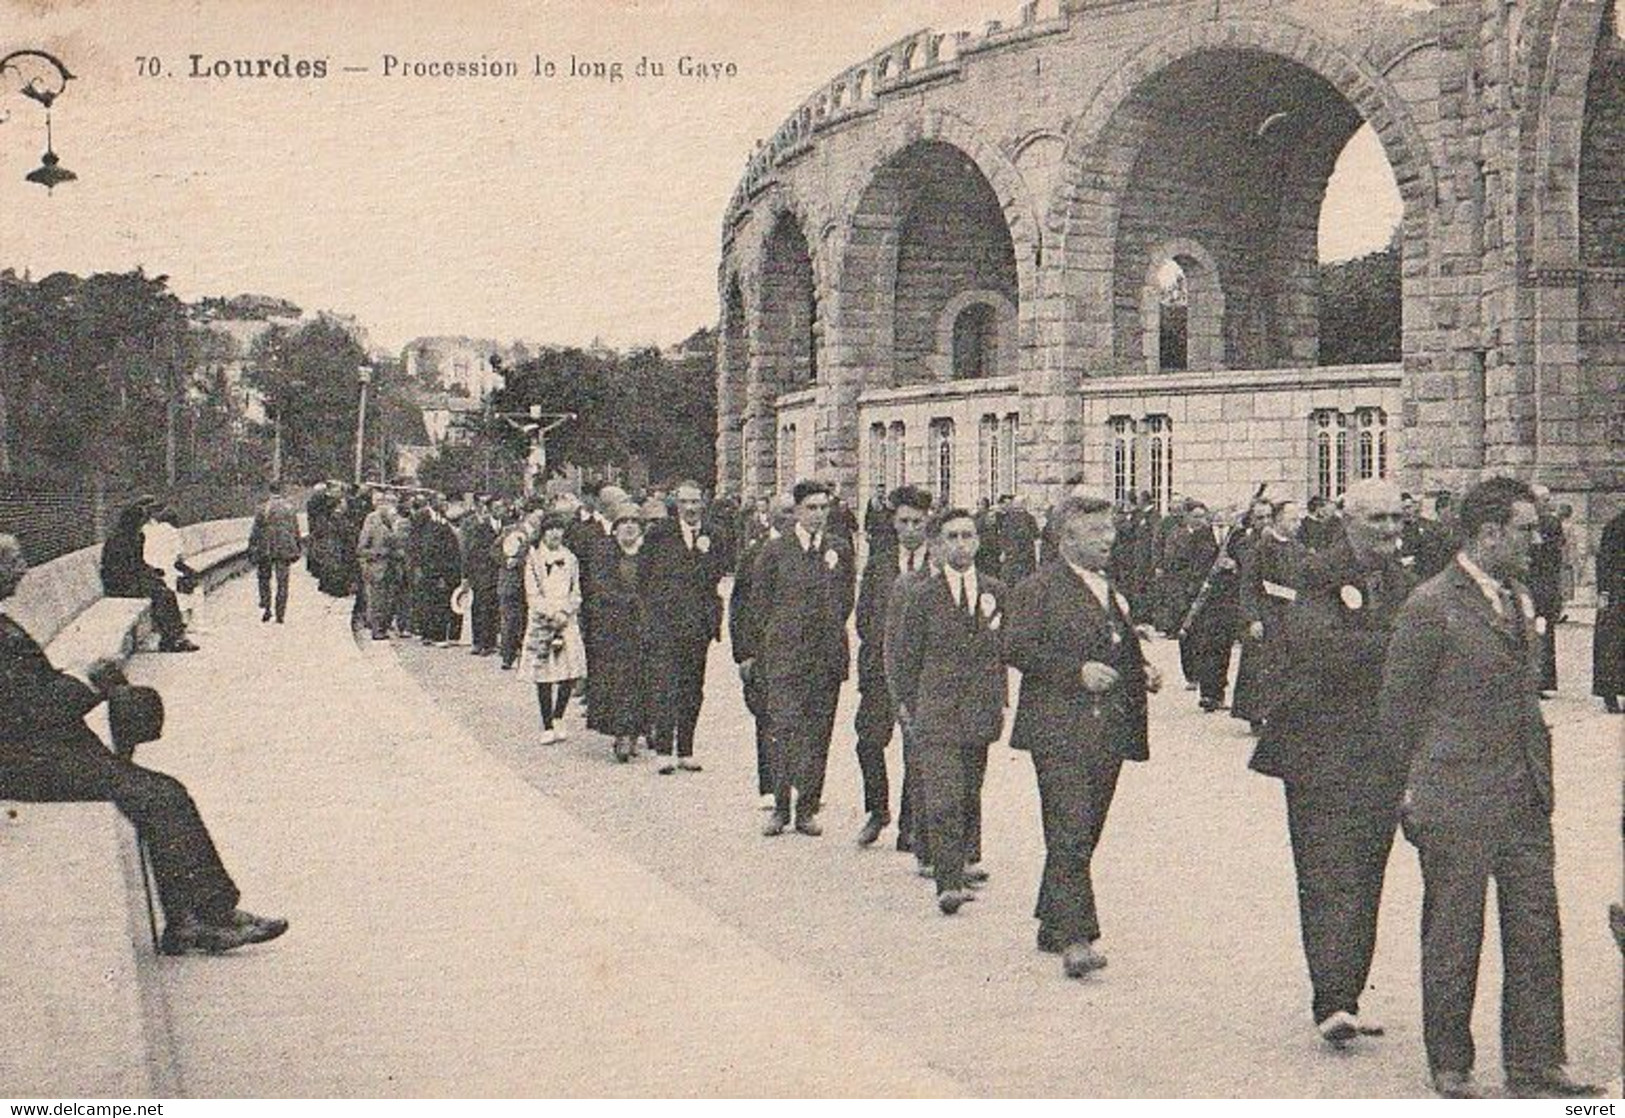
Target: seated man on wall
49	755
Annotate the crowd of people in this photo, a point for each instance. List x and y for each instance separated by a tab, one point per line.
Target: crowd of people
1392	666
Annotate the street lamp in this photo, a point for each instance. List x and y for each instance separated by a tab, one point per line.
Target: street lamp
44	77
364	376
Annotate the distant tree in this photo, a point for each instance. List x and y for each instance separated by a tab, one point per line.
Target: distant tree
1361	309
308	378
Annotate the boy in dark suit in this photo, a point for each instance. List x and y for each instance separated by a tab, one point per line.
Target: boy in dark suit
794	631
950	684
685	566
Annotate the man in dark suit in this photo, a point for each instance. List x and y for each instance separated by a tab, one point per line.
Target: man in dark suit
949	678
49	755
1081	714
1460	702
1211	565
685	566
1545	582
1321	739
904	551
275	543
782	515
481	569
1018	540
795	635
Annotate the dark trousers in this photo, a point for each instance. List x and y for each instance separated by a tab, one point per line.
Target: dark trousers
79	768
873	724
1457	864
682	692
166	612
802	716
265	569
1547	643
1209	663
1250	698
950	775
433	613
485	615
1075	788
756	703
1340	846
511	610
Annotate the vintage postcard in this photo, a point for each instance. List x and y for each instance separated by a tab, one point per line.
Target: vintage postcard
801	548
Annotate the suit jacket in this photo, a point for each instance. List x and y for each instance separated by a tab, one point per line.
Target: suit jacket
480	566
875	589
1460	702
949	667
1321	728
794	621
683	583
1053	625
275	534
378	541
38	703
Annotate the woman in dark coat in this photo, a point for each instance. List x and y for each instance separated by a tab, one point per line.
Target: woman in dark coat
1608	639
623	677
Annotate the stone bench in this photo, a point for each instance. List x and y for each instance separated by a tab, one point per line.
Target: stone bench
76	955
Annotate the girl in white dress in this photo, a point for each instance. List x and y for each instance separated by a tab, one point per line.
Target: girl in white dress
555	656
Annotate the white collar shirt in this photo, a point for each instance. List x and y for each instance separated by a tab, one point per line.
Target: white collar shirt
1498	596
1096	582
805	538
962	585
910	560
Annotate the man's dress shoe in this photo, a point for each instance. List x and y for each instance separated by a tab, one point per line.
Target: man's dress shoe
1339	1028
975	874
951	901
809	826
776	824
1548	1083
1455	1085
190	934
1080	958
872	827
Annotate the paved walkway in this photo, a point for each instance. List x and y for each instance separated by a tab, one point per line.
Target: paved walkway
454	932
474	913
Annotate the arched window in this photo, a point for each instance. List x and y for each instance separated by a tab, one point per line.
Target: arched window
1331	437
976	342
877	459
942	456
1371	427
787	457
989	458
897	457
1121	456
1009	434
1173	318
1160	457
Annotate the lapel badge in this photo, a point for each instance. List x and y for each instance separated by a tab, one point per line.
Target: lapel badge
832	559
1351	597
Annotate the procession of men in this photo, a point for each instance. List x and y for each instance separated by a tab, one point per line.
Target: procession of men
1392	668
1331	607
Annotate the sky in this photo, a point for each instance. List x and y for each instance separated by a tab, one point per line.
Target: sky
552	210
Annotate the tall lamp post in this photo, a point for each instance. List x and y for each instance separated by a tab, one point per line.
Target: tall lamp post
364	376
44	77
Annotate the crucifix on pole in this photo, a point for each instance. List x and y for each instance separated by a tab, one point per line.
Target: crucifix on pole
536	423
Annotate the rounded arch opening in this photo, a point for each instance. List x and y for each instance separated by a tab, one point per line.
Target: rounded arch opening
930	241
1182	309
1231	145
789	326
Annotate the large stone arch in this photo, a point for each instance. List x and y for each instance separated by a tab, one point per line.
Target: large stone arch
773	364
1087	300
863	249
733	375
